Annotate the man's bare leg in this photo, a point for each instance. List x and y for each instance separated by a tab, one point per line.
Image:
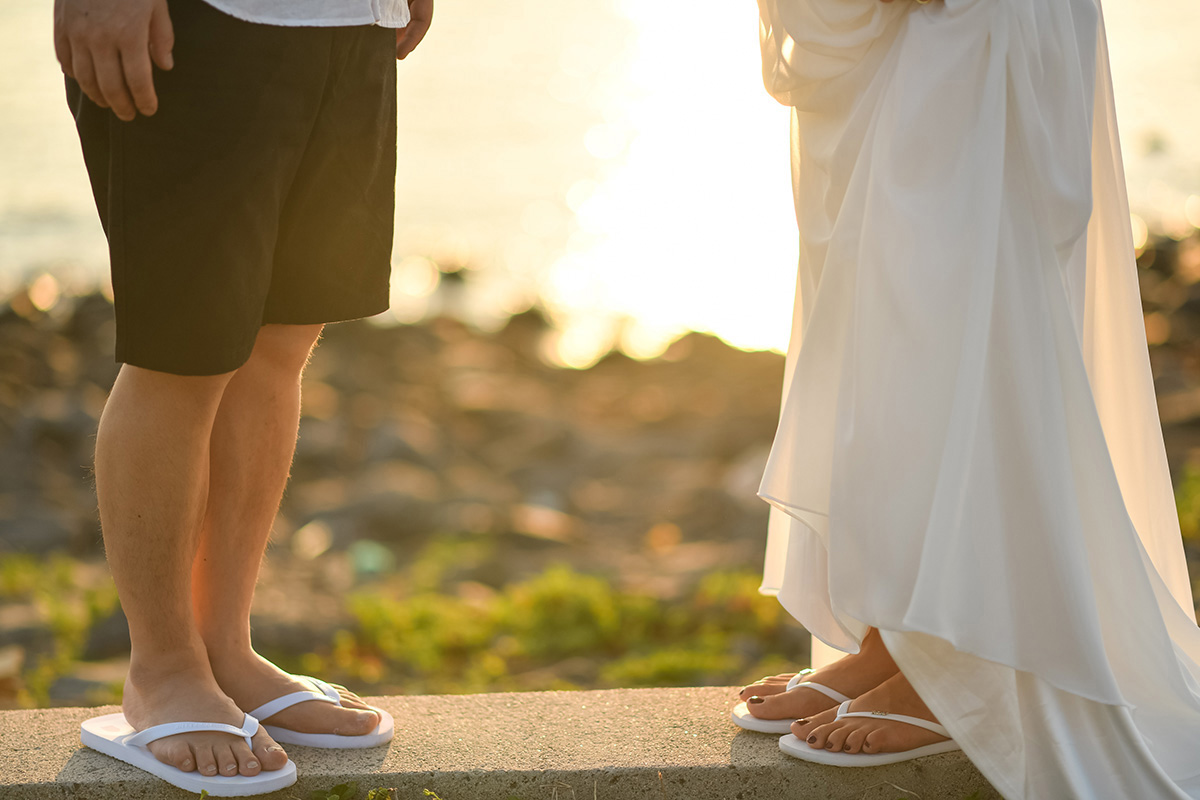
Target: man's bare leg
253	440
152	453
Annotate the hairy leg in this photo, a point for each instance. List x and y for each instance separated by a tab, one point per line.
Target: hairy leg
852	675
253	441
152	452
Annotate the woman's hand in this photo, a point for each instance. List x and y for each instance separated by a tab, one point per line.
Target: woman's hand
108	46
409	37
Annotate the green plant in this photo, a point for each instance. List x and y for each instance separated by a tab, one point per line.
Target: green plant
1187	501
343	791
69	597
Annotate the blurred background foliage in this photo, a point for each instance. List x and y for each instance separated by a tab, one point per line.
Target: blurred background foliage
465	514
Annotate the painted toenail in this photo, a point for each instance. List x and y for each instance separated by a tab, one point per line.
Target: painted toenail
803	721
846	748
812	739
754	700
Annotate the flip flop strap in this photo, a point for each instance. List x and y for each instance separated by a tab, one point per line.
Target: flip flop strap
327	694
797	683
156	732
832	693
797	678
844	711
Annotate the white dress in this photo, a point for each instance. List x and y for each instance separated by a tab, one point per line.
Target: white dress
969	455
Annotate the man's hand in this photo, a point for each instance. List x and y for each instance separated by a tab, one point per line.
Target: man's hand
108	45
409	37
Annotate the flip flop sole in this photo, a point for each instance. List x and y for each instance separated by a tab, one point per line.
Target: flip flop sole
742	717
793	746
107	735
382	734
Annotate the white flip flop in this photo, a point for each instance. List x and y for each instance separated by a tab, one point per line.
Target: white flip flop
744	719
112	735
794	746
322	691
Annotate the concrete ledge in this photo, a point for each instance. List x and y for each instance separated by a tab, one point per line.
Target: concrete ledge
648	744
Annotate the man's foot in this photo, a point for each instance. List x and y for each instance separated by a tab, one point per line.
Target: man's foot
251	681
852	675
874	734
193	696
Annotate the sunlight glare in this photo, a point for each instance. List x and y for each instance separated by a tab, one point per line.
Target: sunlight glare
693	227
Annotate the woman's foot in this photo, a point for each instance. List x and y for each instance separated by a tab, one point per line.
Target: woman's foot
851	675
251	681
155	697
872	734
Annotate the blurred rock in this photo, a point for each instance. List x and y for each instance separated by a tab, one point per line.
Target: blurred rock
38	530
107	638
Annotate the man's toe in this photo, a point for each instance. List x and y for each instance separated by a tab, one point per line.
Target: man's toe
269	754
226	762
356	722
247	763
175	752
206	760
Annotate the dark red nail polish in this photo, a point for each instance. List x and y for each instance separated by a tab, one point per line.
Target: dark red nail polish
812	739
754	700
803	721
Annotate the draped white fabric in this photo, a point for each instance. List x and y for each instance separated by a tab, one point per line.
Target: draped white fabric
969	455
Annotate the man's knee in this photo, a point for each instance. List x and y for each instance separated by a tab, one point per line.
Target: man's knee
143	379
284	347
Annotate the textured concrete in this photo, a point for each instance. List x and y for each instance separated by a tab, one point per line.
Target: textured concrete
643	744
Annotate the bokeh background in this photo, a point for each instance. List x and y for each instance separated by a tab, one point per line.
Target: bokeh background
539	469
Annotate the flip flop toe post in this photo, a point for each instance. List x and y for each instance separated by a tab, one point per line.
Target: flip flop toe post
322	692
112	735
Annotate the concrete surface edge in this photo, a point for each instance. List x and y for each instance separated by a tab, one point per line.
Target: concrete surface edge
620	744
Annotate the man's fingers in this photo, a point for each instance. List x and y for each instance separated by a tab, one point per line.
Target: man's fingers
62	42
408	38
85	74
62	51
139	78
162	37
111	79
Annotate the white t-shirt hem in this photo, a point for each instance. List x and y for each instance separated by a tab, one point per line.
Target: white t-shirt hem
232	9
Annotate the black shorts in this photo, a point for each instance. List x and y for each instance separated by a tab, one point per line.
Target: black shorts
262	191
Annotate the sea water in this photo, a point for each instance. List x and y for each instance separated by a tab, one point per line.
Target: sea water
614	160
